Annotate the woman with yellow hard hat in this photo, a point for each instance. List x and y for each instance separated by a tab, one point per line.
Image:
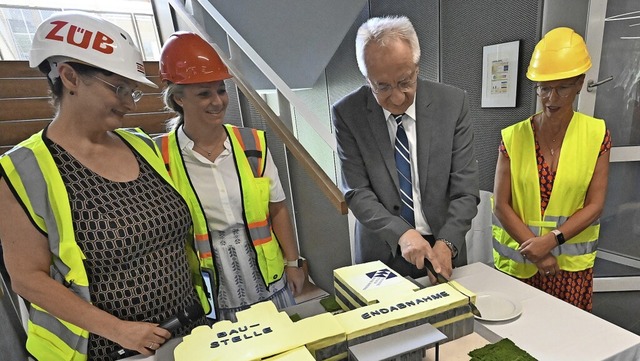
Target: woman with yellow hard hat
551	179
241	223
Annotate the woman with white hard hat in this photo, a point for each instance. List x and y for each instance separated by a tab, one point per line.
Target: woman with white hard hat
551	179
227	174
94	235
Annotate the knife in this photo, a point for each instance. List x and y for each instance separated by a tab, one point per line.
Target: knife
442	279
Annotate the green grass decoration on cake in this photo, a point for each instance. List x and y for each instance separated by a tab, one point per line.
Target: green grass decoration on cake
502	350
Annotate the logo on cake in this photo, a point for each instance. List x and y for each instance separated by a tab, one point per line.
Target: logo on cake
405	304
377	277
240	334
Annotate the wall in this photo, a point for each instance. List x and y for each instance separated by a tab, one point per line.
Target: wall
467	26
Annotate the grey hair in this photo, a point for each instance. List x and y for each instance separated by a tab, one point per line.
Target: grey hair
170	104
382	30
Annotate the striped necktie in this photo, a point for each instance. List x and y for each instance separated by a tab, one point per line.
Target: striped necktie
403	166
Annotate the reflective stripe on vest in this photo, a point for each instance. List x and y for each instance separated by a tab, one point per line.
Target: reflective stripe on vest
67	345
580	151
250	154
202	256
250	142
174	163
47	204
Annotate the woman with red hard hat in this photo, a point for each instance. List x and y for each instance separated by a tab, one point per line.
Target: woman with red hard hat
551	179
228	177
93	232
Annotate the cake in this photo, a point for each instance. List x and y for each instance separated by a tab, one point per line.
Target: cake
262	331
441	306
378	302
368	283
297	354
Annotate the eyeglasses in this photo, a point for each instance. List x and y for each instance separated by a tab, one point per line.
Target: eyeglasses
386	89
123	92
563	91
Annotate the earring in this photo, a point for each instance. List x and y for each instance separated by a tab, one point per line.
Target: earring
72	92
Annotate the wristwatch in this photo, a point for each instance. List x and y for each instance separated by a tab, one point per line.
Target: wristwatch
452	247
559	236
296	263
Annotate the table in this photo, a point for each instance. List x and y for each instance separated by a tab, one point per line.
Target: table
548	329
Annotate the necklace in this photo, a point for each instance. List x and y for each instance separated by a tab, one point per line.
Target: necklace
204	150
558	135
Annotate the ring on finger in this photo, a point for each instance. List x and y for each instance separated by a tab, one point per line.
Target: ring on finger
152	345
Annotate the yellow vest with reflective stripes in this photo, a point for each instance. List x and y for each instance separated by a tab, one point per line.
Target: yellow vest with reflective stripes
249	151
31	172
580	151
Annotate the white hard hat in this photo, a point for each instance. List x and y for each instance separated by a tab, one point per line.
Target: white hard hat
86	38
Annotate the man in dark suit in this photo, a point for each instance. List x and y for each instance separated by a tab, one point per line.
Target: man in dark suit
443	168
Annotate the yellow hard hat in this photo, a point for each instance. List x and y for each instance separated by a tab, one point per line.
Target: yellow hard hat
560	54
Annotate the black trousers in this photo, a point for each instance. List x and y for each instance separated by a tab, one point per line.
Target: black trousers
404	268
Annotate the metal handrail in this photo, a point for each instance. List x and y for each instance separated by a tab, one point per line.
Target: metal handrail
320	177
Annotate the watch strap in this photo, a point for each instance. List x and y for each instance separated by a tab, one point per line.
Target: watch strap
452	247
295	263
559	236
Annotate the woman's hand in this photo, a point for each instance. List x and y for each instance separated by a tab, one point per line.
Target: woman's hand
535	248
143	337
296	278
548	265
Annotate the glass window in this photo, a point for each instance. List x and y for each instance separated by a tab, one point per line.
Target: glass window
18	25
125	22
149	35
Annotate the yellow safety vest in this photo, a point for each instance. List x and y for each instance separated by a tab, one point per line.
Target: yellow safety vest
30	172
580	151
249	151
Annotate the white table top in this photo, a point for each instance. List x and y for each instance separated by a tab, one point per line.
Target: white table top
550	329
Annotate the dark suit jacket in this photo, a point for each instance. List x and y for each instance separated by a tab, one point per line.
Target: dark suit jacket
447	168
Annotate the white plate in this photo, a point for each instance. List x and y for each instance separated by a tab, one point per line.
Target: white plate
495	306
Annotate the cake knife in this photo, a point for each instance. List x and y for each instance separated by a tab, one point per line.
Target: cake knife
442	279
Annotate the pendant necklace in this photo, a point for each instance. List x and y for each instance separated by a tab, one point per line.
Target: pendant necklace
206	151
551	149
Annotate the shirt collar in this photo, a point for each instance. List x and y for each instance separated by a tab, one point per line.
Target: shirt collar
411	111
187	144
183	139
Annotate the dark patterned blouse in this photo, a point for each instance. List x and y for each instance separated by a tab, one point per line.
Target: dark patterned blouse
133	237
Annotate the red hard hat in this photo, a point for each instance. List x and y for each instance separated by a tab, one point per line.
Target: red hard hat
187	58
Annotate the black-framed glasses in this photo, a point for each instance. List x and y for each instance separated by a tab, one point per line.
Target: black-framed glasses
403	85
123	92
563	91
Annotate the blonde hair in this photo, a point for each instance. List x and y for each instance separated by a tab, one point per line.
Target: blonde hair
170	104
